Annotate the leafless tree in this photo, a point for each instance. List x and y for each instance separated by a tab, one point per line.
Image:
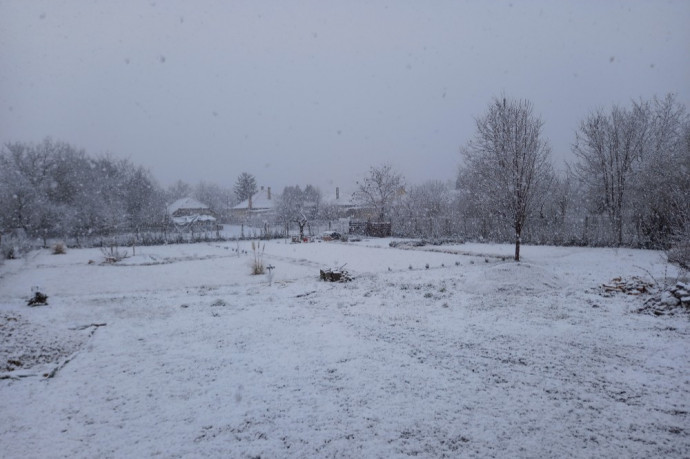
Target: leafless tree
178	190
219	199
298	206
507	163
424	210
607	148
380	189
660	201
632	162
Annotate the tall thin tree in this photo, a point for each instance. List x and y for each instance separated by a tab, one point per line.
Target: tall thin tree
508	162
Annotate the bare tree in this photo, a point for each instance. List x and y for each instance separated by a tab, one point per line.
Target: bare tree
380	189
608	147
298	206
662	185
217	198
507	163
423	208
178	190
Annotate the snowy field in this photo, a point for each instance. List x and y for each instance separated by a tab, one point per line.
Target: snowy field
180	352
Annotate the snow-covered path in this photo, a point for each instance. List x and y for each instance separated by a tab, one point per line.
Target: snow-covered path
470	357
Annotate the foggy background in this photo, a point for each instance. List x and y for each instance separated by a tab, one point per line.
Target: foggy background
316	92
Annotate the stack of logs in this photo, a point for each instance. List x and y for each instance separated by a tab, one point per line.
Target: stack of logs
335	275
632	286
669	301
678	295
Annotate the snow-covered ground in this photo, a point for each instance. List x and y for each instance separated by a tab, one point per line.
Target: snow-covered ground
180	352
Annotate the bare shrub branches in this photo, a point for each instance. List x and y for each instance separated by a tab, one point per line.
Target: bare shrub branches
113	254
258	261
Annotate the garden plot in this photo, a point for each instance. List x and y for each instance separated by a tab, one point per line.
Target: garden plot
434	354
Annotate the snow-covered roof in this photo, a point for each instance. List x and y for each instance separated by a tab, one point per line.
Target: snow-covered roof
260	200
186	203
338	197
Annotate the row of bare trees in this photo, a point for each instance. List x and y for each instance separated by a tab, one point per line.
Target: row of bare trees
629	183
630	177
634	164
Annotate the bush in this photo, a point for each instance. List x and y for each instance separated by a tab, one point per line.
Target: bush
8	252
59	249
14	246
679	253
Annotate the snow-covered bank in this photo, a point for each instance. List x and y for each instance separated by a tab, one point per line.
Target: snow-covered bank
471	356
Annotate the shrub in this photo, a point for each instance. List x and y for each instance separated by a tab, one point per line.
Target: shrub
679	253
113	254
59	249
14	246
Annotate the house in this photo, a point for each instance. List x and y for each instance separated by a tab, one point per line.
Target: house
342	205
260	204
190	213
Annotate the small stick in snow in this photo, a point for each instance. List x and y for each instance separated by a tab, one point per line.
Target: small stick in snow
84	327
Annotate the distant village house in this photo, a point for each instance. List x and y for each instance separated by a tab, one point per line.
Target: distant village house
259	205
188	213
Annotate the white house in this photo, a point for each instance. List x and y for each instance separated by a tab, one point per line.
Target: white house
259	204
189	211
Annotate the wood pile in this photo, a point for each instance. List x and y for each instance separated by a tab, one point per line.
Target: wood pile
670	301
632	286
39	299
335	275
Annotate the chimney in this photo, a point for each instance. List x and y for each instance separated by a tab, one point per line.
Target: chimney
269	193
250	203
337	192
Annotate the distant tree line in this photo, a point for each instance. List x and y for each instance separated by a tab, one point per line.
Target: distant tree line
54	190
628	185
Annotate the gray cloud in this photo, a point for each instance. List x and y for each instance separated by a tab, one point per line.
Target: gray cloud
315	92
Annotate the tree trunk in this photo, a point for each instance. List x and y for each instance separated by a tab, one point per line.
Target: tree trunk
518	238
517	248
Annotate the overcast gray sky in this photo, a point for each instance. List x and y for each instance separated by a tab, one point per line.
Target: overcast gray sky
316	92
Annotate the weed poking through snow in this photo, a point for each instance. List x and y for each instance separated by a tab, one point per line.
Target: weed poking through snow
258	262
